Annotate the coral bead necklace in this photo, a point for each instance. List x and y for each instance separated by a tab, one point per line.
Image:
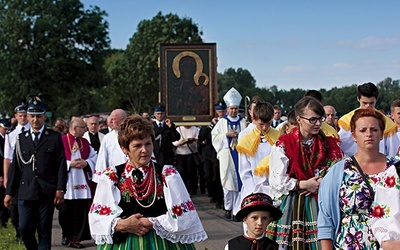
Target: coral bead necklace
141	189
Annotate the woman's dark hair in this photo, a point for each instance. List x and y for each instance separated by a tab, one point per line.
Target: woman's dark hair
134	127
291	118
311	103
359	113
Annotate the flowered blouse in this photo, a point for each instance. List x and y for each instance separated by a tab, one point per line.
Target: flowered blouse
172	212
355	204
385	220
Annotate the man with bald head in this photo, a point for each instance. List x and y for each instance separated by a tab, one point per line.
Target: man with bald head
81	160
110	153
330	114
93	135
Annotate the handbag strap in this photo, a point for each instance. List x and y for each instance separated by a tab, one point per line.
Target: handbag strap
397	165
363	175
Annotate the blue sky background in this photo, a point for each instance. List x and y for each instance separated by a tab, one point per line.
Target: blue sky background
291	44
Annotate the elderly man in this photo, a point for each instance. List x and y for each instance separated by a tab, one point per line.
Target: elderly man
37	177
81	160
93	135
224	139
110	153
330	114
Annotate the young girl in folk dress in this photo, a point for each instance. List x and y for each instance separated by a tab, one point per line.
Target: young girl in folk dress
298	162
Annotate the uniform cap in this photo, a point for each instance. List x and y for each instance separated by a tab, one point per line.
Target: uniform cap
36	106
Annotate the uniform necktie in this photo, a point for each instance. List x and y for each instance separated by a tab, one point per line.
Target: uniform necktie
160	125
22	129
36	140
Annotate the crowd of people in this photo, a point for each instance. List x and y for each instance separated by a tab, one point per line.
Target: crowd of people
307	180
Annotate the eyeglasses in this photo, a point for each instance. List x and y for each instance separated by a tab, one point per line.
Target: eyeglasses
313	120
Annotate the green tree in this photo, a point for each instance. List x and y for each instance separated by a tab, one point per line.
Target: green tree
389	90
135	77
55	47
241	79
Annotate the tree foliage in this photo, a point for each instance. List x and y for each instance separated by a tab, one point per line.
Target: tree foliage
53	47
344	99
134	74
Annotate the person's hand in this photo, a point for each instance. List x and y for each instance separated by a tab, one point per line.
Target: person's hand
214	121
135	224
146	223
78	163
232	133
7	201
1	181
390	244
310	186
168	122
59	198
191	140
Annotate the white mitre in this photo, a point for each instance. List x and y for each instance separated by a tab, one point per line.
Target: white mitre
232	97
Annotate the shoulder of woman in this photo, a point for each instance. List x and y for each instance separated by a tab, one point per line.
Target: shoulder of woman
336	169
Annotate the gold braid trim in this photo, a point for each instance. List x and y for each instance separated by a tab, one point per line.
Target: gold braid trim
390	126
248	144
262	168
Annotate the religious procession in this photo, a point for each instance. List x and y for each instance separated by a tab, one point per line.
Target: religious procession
304	180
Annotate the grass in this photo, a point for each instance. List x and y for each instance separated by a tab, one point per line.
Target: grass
7	239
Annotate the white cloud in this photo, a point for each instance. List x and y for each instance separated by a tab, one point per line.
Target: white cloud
374	43
341	65
297	69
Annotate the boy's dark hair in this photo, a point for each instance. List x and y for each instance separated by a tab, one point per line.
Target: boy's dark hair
263	111
256	99
368	90
316	94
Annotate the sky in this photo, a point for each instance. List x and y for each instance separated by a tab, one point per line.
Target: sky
291	44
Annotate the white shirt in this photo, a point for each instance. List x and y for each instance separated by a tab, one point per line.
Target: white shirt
11	139
192	132
110	154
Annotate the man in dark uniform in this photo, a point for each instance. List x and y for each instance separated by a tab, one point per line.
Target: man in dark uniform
211	163
38	175
165	132
5	126
9	147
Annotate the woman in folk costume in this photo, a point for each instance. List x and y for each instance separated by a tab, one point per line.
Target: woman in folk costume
299	161
140	204
224	139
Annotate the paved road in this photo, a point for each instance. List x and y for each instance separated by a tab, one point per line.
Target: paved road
219	230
